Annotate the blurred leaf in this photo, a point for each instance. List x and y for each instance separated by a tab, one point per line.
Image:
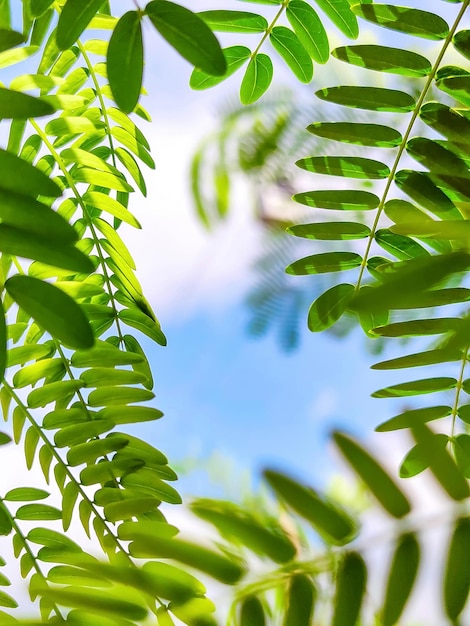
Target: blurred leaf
457	573
300	603
401	578
251	612
329	520
385	490
350	588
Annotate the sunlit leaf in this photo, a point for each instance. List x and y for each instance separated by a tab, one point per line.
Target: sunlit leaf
142	322
404	19
290	48
339	199
52	309
369	98
188	34
235	57
325	262
74	18
309	29
234	21
374	476
330	231
339	12
22	178
29	512
417	387
327	309
257	78
357	133
407	419
384	59
125	61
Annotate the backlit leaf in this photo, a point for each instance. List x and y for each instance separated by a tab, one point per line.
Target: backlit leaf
17	105
290	48
347	166
21	177
339	12
52	309
339	199
325	262
125	61
235	57
41	512
417	387
257	78
309	29
384	59
330	231
407	418
357	133
404	19
234	21
188	34
327	309
369	98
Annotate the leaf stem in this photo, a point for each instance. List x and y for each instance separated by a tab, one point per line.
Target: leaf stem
270	28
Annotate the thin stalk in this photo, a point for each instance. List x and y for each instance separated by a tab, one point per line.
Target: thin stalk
270	28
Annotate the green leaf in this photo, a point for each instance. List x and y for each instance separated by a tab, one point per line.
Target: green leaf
105	203
136	447
309	29
104	354
123	414
39	7
74	18
436	157
10	39
240	526
235	57
19	242
7	601
404	19
369	98
440	462
5	521
417	387
461	41
325	262
25	494
413	328
105	376
330	231
117	511
143	368
125	61
401	578
30	512
462	453
384	59
334	524
251	612
72	125
52	392
407	419
339	12
289	47
79	433
429	357
328	308
112	395
69	499
442	229
3	342
339	199
446	121
300	601
101	179
373	135
234	21
257	78
132	167
347	166
97	602
187	34
220	567
90	451
52	309
17	105
350	588
373	475
400	246
23	178
140	321
456	577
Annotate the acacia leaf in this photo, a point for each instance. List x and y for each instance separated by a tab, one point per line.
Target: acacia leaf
401	578
369	98
339	12
188	34
257	78
385	490
309	29
347	166
404	19
324	263
52	309
350	588
300	601
374	135
235	57
125	61
456	576
328	308
73	19
384	59
290	48
234	21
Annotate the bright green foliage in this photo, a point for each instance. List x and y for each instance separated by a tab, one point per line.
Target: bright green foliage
72	378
